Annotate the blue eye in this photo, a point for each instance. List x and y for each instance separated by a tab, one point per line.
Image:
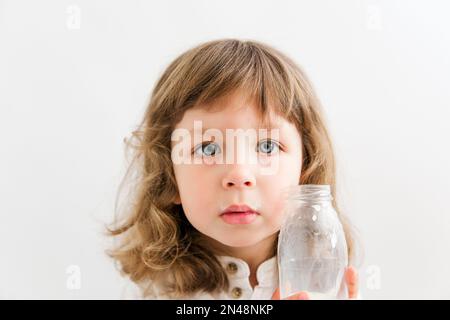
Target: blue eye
267	146
208	149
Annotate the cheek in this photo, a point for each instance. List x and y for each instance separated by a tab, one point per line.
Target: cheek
275	211
273	186
196	192
293	164
185	175
288	172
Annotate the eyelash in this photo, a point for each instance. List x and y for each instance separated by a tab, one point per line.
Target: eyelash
206	143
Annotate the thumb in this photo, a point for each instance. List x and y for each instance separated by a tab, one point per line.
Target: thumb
276	294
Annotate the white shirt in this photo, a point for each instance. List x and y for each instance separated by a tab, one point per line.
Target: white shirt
238	274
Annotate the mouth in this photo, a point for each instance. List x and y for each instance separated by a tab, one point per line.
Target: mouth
239	214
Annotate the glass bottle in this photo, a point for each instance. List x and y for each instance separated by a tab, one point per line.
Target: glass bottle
312	251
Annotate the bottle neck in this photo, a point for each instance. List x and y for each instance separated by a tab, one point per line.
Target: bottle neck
310	193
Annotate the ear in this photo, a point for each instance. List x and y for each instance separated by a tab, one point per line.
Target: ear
177	199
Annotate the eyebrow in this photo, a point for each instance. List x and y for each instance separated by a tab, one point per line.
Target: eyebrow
220	129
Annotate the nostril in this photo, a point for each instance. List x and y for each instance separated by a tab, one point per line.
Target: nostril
246	183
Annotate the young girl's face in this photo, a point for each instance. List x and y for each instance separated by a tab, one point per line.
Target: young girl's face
207	185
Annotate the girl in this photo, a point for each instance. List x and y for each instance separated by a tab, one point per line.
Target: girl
201	228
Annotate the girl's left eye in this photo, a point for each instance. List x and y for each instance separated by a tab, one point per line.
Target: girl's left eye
267	146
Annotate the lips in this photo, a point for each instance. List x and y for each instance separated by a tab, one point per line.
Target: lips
236	208
239	214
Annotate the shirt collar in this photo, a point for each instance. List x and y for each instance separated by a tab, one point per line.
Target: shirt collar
266	273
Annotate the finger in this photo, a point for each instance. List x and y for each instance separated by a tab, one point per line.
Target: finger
302	295
276	294
351	278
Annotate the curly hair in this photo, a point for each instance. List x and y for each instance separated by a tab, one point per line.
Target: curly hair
156	242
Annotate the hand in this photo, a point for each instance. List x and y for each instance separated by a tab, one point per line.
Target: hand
351	279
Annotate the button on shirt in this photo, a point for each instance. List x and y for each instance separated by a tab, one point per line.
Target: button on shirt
239	278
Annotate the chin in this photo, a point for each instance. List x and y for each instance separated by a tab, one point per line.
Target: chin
239	242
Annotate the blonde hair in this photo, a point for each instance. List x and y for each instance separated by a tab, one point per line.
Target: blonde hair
157	242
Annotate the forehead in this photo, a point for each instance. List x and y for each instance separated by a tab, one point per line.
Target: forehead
234	110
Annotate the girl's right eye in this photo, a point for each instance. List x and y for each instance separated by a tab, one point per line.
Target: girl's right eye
208	149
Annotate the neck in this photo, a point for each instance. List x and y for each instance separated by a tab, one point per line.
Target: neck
253	255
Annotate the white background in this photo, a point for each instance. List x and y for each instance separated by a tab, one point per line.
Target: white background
75	77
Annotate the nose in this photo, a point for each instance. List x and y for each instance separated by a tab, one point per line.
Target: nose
239	177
